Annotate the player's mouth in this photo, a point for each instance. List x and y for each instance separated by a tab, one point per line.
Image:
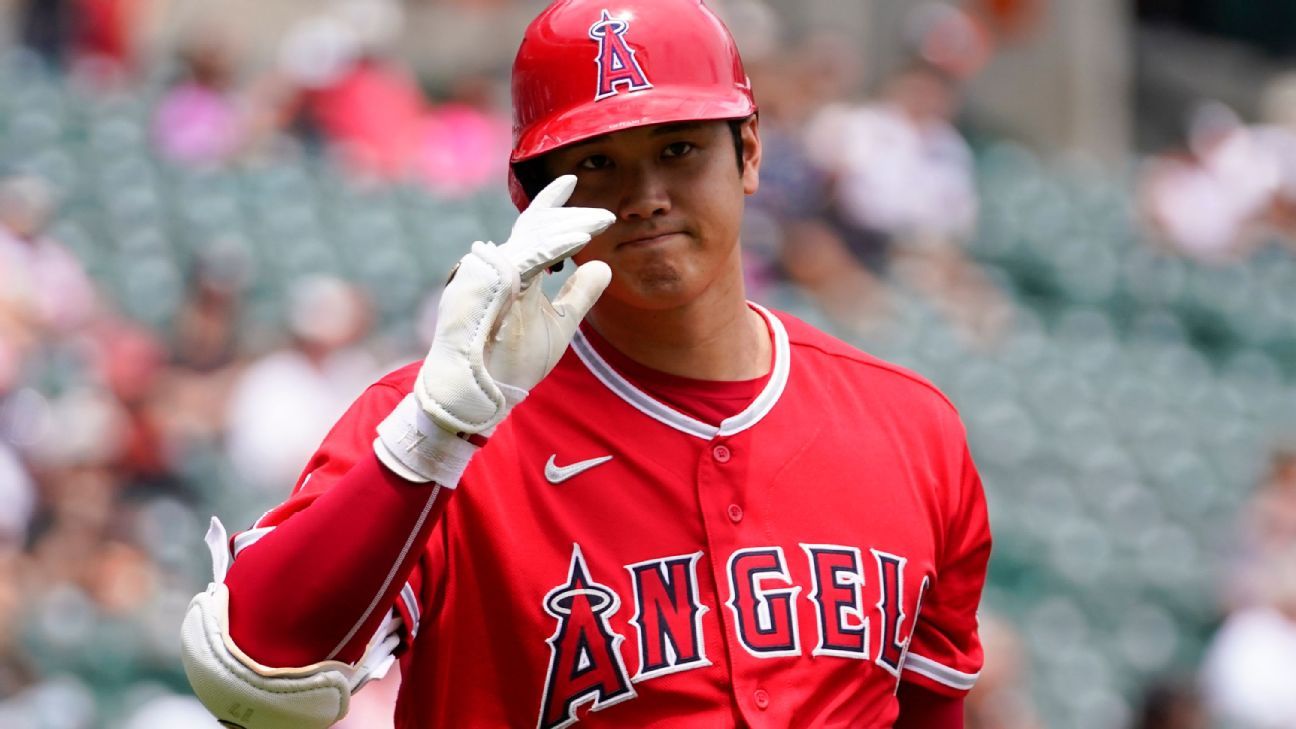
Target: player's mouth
647	241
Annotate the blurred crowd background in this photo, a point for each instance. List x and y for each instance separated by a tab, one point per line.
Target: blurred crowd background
219	221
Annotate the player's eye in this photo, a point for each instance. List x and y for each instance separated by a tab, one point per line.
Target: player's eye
677	149
595	162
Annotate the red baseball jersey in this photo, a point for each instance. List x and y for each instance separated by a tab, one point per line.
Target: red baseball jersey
609	561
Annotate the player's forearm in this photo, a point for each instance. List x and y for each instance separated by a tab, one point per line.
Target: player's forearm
317	587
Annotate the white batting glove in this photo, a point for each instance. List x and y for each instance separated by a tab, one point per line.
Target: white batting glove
497	336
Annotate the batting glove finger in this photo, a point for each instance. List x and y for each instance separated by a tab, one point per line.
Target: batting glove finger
496	336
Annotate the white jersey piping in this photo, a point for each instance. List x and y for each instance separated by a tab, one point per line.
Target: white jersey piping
939	672
645	404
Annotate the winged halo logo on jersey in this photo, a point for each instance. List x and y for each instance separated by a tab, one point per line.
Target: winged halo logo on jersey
617	65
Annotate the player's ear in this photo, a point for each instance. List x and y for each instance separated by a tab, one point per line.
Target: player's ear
749	131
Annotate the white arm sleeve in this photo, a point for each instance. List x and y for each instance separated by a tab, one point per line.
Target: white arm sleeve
243	693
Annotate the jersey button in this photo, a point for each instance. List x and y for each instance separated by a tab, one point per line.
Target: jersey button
735	513
761	697
722	453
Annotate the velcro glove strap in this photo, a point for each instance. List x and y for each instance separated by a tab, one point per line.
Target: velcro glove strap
418	450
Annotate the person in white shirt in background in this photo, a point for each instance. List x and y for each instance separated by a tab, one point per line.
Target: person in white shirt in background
904	193
283	403
1248	671
1207	202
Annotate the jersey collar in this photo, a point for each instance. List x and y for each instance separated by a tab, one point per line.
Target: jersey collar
645	404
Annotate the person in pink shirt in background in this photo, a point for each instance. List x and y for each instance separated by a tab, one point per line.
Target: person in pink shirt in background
467	140
198	121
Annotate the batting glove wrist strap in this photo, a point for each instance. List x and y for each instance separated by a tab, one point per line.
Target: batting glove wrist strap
417	449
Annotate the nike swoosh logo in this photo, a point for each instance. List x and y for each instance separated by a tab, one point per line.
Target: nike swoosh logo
557	474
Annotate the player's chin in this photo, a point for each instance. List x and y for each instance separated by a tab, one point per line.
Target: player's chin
656	286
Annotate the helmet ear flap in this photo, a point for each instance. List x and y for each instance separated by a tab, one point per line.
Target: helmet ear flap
526	179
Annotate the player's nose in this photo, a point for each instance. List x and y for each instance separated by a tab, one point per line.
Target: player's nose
644	194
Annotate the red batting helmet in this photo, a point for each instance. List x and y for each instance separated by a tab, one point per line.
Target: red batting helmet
590	67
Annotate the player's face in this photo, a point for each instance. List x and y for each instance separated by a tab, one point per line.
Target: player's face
678	195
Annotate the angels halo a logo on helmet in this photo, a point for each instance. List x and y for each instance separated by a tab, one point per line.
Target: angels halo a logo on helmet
616	61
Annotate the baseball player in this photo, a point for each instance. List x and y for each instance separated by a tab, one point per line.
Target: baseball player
647	502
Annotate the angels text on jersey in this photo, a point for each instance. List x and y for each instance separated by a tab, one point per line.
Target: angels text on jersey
851	596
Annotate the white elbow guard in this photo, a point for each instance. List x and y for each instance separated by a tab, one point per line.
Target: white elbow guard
244	694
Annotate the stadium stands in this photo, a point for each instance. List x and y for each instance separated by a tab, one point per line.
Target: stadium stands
1118	425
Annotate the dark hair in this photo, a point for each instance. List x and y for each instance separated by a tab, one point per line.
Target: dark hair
532	176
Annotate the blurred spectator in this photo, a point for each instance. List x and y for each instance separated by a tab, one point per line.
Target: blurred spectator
1277	136
198	120
1267	531
121	578
283	403
336	85
68	537
1170	705
17	499
204	334
131	365
466	140
15	671
794	198
959	42
1001	698
94	39
902	174
1207	200
204	350
43	288
339	86
1249	666
903	195
1274	509
107	414
102	34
